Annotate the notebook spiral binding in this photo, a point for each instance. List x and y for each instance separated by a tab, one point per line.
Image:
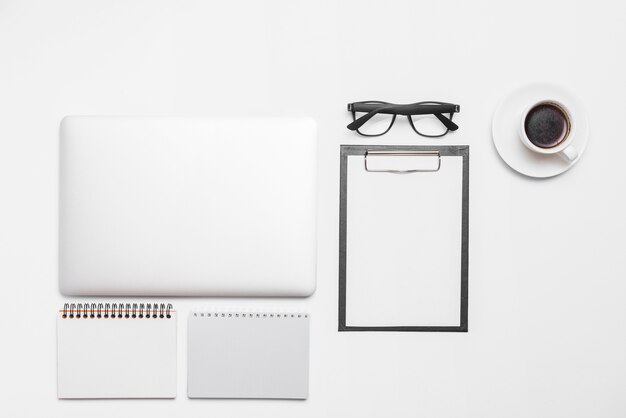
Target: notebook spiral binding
116	310
217	313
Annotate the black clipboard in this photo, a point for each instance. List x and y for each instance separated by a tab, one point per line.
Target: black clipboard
360	157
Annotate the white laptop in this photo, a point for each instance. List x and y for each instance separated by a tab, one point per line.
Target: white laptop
187	206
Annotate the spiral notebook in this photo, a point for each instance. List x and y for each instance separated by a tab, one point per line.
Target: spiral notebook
116	351
248	355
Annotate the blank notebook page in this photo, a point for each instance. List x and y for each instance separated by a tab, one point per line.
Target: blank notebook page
116	357
248	355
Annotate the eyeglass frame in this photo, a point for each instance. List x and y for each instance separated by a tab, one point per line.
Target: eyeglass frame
374	107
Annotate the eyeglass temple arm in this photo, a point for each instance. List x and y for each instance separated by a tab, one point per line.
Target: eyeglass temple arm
363	119
447	122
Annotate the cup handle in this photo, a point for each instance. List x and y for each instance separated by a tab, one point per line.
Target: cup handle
569	154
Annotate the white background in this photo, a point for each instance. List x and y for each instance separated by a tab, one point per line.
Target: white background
547	263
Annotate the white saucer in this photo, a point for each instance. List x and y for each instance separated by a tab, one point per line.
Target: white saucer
506	123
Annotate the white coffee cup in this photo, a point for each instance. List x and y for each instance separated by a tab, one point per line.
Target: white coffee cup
564	148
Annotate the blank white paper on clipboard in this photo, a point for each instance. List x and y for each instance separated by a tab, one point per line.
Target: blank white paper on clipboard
403	238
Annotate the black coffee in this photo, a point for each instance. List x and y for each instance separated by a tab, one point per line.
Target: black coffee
546	125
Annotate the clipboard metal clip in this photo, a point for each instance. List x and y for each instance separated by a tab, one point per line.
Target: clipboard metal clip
403	154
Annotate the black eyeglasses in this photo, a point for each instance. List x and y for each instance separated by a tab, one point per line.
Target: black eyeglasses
374	118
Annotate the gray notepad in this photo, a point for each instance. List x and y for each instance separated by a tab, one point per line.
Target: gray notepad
248	355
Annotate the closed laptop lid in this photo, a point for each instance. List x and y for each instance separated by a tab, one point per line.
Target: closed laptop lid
187	206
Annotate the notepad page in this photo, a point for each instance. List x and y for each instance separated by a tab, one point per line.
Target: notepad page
403	257
116	357
248	355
